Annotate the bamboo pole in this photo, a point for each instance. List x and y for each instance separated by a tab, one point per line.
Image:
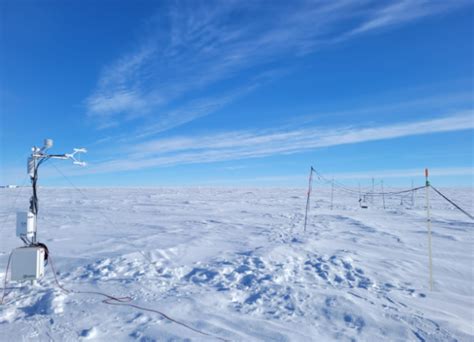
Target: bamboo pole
309	194
360	197
428	224
383	196
373	190
332	193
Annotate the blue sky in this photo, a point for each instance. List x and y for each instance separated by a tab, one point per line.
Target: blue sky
239	92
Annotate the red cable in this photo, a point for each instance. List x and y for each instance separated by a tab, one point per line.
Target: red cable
125	301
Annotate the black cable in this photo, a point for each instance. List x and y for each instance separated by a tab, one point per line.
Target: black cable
454	204
395	192
339	185
366	193
34	183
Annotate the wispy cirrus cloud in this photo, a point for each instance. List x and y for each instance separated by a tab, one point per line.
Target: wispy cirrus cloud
194	46
399	12
302	179
405	173
235	145
190	111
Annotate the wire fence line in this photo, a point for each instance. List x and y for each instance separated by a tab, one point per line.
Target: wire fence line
454	204
363	195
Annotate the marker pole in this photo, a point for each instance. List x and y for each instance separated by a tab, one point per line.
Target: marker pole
428	224
309	194
383	196
373	190
332	193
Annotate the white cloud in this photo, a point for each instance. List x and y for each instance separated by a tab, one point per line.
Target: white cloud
196	45
234	145
406	173
120	101
402	11
187	113
367	175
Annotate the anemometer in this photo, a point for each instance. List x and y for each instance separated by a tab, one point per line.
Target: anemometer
28	261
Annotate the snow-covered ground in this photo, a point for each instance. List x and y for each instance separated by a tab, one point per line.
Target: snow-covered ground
235	263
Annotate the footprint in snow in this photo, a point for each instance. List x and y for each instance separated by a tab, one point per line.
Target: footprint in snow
88	333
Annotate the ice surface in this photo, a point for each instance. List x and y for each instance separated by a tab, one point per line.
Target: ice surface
235	263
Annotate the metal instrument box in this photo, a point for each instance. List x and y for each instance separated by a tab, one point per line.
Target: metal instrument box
27	263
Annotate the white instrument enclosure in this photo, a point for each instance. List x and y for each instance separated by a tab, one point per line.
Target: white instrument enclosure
25	224
27	263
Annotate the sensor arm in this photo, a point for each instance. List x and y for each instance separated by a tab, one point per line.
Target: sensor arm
65	156
38	157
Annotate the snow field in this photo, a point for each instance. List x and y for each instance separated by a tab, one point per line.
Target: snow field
235	263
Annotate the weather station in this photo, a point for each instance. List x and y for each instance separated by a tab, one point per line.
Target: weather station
28	261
